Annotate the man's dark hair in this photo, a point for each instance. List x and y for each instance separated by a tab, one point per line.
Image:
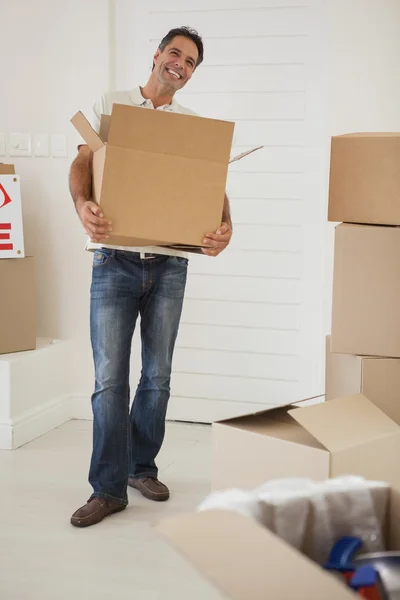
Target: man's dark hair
187	32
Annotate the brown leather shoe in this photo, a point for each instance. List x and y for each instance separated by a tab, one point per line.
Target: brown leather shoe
94	511
150	488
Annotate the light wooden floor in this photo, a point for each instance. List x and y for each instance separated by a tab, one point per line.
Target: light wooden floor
42	557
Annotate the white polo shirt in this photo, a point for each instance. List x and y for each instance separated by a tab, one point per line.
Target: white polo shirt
103	106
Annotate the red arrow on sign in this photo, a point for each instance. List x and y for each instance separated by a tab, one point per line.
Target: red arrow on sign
7	198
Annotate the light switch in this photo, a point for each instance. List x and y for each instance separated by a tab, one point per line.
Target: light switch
59	146
20	144
2	144
41	144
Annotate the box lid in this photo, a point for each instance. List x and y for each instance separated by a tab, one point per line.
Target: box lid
246	560
105	128
345	422
170	133
105	121
270	410
93	140
370	134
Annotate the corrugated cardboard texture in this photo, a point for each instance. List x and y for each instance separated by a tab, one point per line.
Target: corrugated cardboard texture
342	374
99	158
365	179
105	121
366	291
92	139
247	561
345	422
377	378
7	169
17	305
166	198
376	460
381	384
163	176
248	456
163	132
247	459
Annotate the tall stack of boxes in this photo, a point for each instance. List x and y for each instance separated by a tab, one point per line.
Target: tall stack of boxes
356	433
363	352
17	276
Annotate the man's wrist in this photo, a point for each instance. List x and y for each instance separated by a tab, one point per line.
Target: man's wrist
80	201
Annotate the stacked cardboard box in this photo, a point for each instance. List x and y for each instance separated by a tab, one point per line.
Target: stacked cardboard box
364	195
357	432
17	298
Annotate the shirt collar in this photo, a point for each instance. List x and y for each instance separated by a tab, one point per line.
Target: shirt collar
138	99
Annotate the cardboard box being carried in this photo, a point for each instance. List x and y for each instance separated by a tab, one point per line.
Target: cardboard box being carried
376	377
366	291
365	178
17	305
160	177
11	229
242	558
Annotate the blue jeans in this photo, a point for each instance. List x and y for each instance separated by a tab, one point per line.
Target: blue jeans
126	443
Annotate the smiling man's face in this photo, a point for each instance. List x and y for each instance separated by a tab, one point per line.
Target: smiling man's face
175	64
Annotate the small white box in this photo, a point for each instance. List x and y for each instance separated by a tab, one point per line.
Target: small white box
11	228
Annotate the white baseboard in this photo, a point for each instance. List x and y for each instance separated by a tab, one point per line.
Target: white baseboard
34	423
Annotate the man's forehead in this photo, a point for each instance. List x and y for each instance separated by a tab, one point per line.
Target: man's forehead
185	45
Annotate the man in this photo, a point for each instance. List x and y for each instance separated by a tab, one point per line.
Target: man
127	282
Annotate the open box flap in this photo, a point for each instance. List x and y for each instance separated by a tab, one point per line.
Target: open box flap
345	422
369	134
271	409
165	132
105	121
246	560
243	154
82	125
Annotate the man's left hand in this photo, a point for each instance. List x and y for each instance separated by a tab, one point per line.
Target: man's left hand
218	241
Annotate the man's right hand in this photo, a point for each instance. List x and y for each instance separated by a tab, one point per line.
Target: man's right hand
92	218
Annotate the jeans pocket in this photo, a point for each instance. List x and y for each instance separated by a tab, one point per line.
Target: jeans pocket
101	257
181	260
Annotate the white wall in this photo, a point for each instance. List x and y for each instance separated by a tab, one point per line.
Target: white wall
251	331
58	56
364	82
54	61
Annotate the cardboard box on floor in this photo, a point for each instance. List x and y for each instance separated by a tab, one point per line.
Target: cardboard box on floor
345	435
365	178
244	559
377	378
11	227
366	291
17	305
160	177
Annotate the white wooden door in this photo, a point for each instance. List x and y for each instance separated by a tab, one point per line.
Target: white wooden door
251	331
